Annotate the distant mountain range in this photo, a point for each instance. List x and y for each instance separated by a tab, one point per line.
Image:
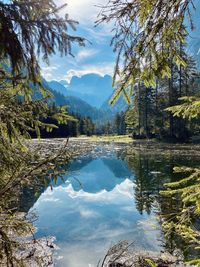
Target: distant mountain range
92	88
88	96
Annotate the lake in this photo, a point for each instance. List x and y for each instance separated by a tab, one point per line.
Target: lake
103	198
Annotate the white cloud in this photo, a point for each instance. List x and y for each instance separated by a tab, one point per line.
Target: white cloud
102	69
84	11
85	53
100	34
48	71
79	69
47	75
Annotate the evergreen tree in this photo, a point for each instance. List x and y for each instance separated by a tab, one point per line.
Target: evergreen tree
147	38
28	29
120	124
149	118
31	29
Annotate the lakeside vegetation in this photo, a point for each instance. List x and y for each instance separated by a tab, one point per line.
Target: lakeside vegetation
150	48
107	138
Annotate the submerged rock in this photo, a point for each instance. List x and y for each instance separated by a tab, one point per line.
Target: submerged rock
37	253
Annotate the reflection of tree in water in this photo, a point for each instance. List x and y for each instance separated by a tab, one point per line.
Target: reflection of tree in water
143	197
151	173
168	207
118	167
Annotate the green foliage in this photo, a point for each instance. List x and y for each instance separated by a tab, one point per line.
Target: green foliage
190	108
28	29
19	165
8	246
151	263
116	126
188	191
194	263
147	36
153	174
149	40
120	123
184	223
150	117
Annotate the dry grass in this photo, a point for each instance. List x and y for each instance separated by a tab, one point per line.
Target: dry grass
106	138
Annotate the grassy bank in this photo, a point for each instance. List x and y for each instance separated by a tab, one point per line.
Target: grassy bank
106	138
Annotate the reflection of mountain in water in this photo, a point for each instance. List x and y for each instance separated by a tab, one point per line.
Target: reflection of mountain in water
73	168
88	218
107	206
86	173
100	174
28	197
118	167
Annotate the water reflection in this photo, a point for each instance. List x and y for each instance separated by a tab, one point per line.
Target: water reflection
151	173
103	200
90	212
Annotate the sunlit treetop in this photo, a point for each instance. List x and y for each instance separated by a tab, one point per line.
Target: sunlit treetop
148	36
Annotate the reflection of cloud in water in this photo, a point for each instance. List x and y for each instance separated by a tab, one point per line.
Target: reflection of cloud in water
96	174
51	199
86	213
87	220
80	256
125	189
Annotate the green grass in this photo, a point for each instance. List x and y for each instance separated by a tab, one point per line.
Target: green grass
108	138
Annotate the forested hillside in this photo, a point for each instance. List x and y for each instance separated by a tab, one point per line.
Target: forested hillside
92	88
80	99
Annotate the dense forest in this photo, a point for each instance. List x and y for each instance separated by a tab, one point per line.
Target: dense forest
150	39
149	116
79	125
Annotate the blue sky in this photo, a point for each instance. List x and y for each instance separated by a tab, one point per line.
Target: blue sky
97	57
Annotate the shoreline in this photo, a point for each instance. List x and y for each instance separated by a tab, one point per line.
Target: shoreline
82	145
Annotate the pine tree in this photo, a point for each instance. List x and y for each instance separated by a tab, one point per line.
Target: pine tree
28	29
147	37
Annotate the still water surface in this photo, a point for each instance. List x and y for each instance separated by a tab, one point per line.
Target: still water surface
101	200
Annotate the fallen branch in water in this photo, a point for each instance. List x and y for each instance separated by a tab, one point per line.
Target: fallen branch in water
121	255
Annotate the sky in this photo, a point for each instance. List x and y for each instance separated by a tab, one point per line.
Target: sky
96	57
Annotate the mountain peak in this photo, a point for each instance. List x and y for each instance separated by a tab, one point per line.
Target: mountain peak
64	82
92	88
